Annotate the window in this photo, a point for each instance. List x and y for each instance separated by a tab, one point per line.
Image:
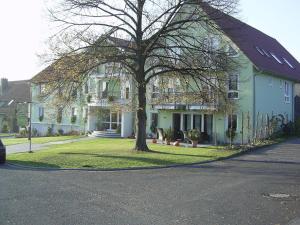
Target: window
74	94
41	111
259	50
86	88
276	58
127	93
171	85
186	122
232	122
233	86
74	111
266	53
281	84
154	121
155	89
42	88
289	64
59	114
287	97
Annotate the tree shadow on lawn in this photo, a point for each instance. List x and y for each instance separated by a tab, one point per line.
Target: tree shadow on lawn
33	164
160	162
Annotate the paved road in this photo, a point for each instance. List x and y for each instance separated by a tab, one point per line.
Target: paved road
231	192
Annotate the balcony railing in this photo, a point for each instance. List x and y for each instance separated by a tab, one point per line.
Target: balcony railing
184	100
107	98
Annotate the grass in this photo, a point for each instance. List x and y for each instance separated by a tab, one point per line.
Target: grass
7	134
36	140
115	153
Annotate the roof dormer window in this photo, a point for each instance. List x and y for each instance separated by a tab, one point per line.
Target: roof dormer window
276	58
259	50
266	53
289	64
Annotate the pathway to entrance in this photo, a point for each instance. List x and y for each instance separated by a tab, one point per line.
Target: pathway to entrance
36	147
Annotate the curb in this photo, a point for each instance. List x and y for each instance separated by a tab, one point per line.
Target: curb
242	152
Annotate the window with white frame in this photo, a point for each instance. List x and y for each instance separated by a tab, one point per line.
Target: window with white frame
41	111
86	88
233	86
155	88
42	88
74	111
127	91
287	96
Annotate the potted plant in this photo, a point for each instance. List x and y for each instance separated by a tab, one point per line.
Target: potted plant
194	135
168	135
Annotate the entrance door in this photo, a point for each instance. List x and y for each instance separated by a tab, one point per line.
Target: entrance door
176	125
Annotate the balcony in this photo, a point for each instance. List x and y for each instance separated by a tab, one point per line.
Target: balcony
107	99
184	101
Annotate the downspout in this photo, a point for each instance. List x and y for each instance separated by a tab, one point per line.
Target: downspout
254	102
254	107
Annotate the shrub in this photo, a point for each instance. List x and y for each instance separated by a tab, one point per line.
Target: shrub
73	133
49	131
168	134
73	119
5	128
194	135
60	132
288	129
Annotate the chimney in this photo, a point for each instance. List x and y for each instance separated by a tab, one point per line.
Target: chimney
4	86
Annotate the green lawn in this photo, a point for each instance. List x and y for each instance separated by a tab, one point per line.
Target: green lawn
7	134
36	140
115	153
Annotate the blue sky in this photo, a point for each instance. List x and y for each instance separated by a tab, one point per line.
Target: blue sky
24	30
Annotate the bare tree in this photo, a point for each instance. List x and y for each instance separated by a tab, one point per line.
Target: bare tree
150	38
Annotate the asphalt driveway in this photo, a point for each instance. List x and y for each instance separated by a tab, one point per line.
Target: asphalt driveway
261	188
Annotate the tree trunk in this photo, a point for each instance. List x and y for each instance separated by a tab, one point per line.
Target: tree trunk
141	117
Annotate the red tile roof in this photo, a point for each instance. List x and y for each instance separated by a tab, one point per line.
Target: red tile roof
248	38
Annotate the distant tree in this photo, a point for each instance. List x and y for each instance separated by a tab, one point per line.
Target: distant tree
149	38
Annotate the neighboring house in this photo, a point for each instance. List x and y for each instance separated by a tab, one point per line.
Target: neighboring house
14	98
261	88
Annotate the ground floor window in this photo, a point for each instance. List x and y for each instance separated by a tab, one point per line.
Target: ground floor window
41	113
